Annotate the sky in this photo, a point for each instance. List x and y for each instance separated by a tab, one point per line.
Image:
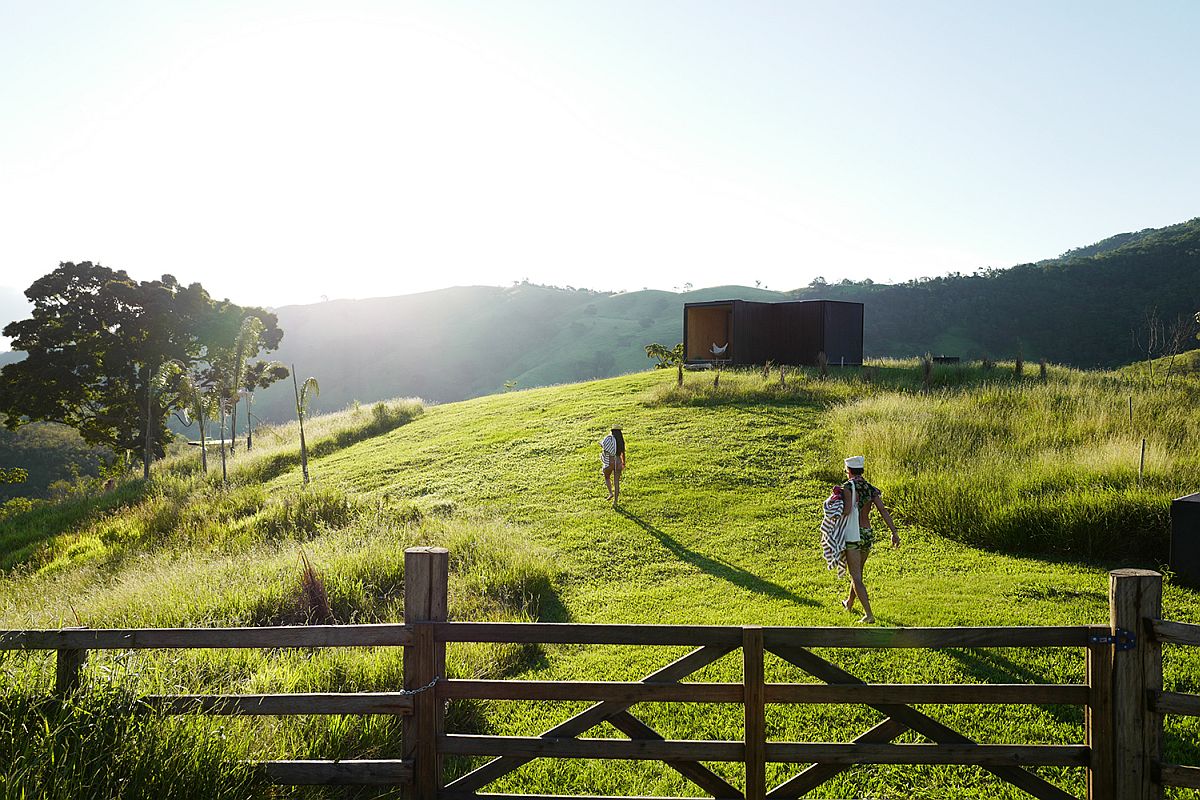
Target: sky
290	152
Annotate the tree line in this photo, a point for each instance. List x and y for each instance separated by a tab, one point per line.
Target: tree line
113	358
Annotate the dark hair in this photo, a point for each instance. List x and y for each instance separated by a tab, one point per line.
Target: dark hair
620	437
855	471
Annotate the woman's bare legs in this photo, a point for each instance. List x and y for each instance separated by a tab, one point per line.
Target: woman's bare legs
607	473
855	559
616	487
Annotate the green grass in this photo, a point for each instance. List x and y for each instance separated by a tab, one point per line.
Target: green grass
718	525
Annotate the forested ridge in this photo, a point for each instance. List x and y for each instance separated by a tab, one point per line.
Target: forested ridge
1081	309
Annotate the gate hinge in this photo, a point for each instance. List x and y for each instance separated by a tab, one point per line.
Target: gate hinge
1120	639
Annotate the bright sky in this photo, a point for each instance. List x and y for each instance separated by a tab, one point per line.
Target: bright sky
279	152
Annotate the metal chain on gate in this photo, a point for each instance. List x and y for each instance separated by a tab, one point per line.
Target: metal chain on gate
425	688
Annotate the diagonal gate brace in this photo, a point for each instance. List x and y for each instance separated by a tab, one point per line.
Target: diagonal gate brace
921	723
591	717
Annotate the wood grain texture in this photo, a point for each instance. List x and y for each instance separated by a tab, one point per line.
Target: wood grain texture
344	773
385	635
755	713
326	703
1135	595
694	771
1098	722
1177	775
815	775
620	749
988	755
1175	703
1175	632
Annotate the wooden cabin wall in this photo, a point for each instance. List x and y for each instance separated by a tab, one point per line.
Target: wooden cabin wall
843	323
706	326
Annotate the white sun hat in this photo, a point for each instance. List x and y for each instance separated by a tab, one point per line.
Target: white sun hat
855	462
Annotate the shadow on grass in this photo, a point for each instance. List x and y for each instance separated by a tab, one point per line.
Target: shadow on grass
21	535
717	568
992	667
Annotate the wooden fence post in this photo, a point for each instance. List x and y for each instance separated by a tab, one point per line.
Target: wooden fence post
754	698
426	573
1098	721
1135	595
68	669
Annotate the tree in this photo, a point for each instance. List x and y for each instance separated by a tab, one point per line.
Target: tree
200	403
672	357
310	385
96	344
258	375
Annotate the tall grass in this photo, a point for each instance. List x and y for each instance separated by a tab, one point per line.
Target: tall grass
1048	467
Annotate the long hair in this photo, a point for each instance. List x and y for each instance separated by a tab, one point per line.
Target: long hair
620	437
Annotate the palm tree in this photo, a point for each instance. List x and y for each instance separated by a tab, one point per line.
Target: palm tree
247	345
302	398
258	375
199	402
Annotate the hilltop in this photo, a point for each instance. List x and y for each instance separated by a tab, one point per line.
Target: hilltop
718	526
1079	309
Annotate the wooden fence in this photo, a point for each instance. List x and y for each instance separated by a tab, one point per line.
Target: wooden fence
1122	698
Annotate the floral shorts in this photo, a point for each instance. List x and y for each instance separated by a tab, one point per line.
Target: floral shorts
867	538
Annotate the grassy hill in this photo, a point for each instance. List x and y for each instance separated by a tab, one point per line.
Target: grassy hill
718	525
1078	309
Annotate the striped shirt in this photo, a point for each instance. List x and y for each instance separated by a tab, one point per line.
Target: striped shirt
608	450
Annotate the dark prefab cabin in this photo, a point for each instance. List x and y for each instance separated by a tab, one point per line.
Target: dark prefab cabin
785	333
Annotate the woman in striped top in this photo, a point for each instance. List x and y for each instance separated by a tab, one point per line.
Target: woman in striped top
612	459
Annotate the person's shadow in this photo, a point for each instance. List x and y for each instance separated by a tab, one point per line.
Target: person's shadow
721	569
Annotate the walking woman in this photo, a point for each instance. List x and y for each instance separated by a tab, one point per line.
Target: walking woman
612	459
847	535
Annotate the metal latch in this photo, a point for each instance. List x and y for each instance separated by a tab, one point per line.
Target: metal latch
1120	639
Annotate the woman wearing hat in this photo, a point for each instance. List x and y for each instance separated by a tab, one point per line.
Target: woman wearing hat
858	497
612	459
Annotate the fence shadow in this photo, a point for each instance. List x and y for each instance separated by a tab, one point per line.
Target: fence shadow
717	568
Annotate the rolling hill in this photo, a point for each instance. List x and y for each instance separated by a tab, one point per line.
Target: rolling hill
1080	309
717	526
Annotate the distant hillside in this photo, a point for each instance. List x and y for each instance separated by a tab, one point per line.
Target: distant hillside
1079	309
467	341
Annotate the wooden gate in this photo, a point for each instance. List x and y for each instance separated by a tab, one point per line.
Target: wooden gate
1122	697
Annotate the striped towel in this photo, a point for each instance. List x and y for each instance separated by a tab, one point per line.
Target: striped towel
833	533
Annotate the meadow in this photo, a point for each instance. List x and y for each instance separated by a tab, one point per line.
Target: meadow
717	525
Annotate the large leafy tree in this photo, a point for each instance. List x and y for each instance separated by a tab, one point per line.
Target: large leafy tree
98	346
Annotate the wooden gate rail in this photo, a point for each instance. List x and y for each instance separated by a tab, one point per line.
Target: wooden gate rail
73	644
1161	702
1123	696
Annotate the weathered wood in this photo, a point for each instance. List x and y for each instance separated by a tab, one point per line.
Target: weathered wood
1175	703
1098	722
817	774
449	795
695	772
1135	595
933	693
987	755
68	671
630	692
1175	632
919	722
426	575
623	749
346	773
1177	775
586	633
1005	636
753	677
589	718
389	703
385	635
696	635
